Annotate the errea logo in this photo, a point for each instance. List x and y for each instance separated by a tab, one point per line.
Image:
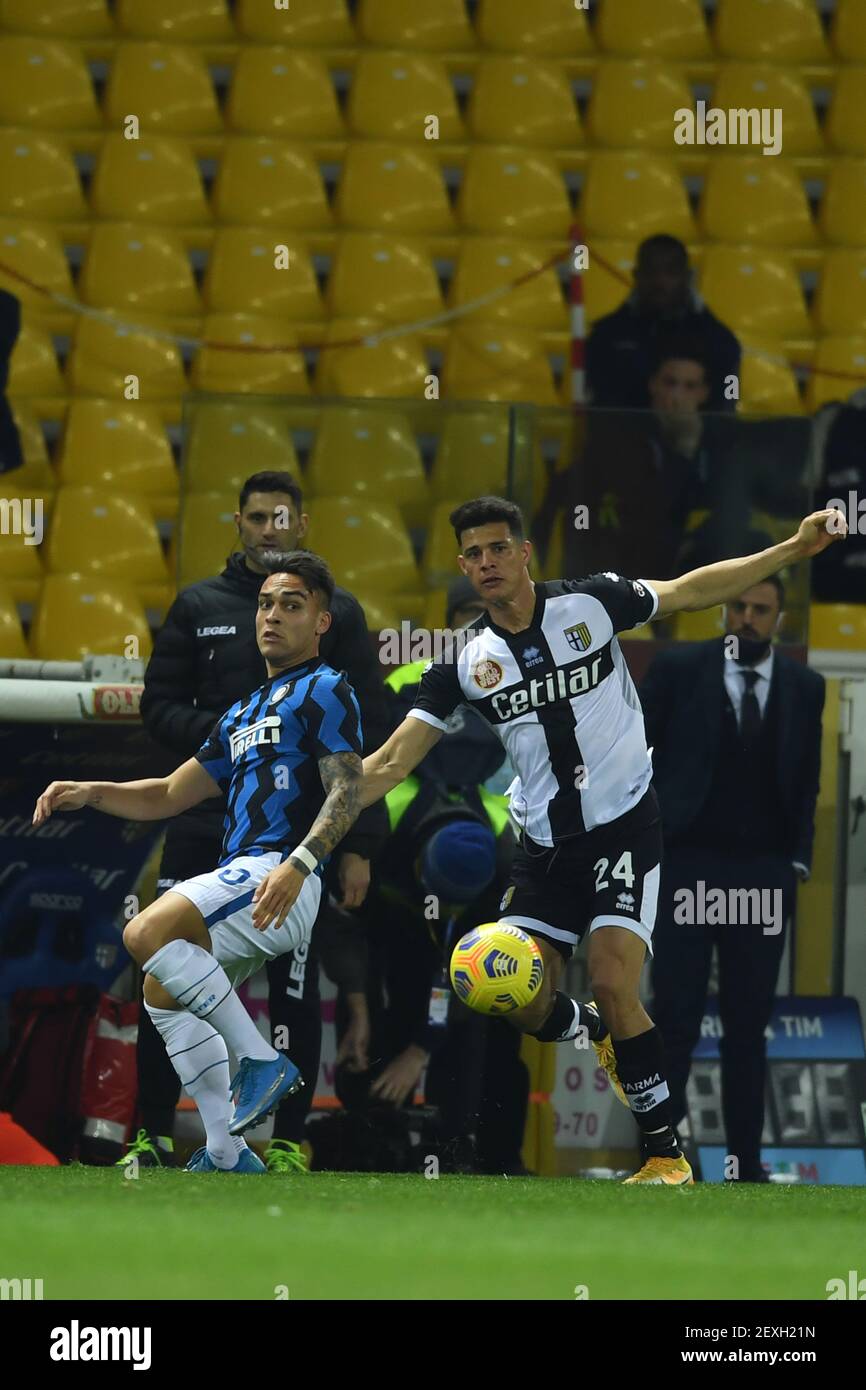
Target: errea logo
215	631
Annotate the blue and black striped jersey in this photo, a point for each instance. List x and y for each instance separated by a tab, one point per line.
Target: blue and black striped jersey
264	754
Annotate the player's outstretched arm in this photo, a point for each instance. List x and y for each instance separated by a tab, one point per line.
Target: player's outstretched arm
712	584
279	890
391	763
152	798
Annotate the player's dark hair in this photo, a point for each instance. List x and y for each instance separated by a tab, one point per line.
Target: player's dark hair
272	482
483	510
309	567
678	348
778	585
662	242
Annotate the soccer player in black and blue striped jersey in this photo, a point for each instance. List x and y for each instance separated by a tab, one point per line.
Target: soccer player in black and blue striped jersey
289	760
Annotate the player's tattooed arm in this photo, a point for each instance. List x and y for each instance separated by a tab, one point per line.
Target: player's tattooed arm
341	774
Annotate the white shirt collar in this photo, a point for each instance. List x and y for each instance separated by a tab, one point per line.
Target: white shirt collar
763	668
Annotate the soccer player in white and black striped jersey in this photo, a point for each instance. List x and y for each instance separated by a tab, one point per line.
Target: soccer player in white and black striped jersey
543	666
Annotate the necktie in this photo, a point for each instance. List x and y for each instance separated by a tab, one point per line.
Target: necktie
750	712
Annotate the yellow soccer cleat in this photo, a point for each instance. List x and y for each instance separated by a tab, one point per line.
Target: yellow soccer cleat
607	1059
674	1172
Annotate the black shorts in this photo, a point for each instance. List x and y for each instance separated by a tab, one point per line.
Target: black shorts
608	877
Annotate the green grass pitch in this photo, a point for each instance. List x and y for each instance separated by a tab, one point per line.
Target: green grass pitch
89	1233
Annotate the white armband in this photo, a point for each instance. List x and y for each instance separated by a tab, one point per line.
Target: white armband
306	857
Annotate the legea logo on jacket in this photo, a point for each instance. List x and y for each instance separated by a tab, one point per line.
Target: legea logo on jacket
215	631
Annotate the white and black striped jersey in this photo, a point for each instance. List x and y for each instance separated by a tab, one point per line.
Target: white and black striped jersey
560	697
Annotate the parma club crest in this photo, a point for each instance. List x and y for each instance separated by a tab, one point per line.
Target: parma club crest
578	637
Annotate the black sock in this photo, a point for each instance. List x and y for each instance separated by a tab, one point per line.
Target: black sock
566	1017
640	1066
158	1121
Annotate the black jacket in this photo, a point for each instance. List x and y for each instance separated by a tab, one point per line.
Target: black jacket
620	347
205	658
683	696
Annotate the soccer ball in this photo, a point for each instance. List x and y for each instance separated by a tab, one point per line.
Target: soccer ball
496	968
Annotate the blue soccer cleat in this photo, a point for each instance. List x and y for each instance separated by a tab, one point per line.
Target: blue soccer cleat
248	1162
258	1088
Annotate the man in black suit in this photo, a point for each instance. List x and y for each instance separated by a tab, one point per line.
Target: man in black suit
663	302
735	729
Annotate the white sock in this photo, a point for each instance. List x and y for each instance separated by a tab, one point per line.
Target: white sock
198	982
198	1055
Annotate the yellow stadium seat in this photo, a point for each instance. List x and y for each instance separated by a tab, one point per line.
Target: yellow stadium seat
367	455
303	26
36	473
367	545
62	19
278	182
392	188
237	368
849	30
780	31
672	29
383	278
106	534
754	289
635	195
25	523
256	272
136	269
753	199
226	442
79	614
497	362
176	21
757	86
839	306
435	608
838	626
38	178
632	105
608	277
152	179
45	85
205	536
168	87
33	369
439	561
382	611
104	355
36	252
12	642
507	192
472	455
120	446
846	119
699	627
838	370
393	94
396	367
523	101
393	23
276	91
842	215
548	28
486	266
767	384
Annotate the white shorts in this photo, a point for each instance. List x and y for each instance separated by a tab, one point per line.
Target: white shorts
224	897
